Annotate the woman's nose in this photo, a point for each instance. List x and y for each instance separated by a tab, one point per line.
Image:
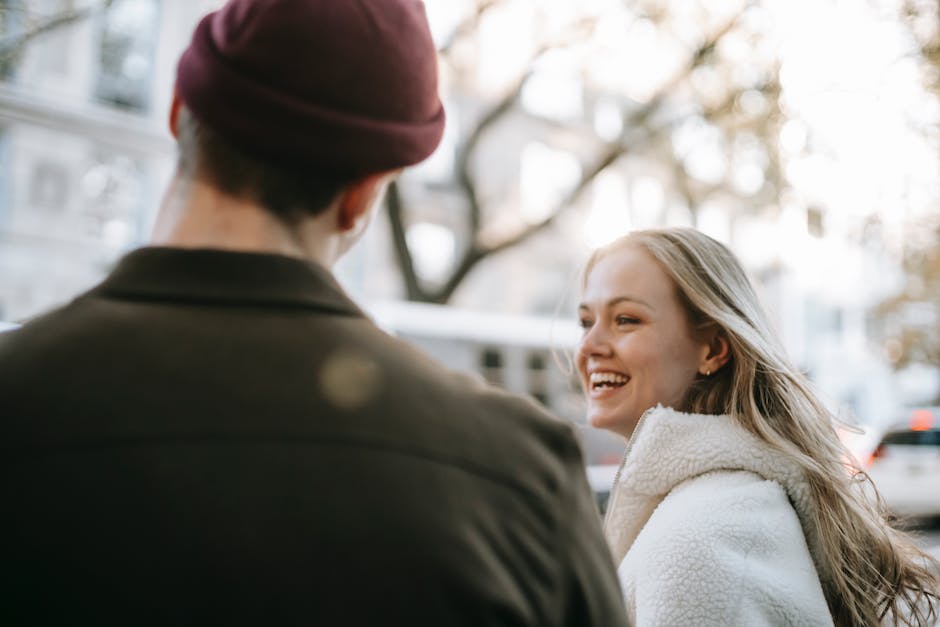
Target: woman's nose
594	342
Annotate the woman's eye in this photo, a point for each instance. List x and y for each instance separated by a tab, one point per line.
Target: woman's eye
585	323
626	320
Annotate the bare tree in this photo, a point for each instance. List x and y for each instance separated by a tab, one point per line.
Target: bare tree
908	322
648	127
647	130
21	23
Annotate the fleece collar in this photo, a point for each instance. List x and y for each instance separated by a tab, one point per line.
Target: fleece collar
670	447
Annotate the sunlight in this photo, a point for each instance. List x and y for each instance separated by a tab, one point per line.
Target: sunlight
609	215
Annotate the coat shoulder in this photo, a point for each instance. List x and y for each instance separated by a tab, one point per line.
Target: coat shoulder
725	547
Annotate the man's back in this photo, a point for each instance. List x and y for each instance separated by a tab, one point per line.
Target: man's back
223	437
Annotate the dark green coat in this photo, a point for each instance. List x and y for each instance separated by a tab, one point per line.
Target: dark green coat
213	437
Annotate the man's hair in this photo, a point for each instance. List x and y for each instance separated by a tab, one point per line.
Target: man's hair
206	156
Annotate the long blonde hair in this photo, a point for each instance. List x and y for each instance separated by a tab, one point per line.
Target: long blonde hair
868	569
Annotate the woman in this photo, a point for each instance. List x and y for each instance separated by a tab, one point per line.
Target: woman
735	504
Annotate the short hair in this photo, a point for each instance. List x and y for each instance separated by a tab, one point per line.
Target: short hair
206	156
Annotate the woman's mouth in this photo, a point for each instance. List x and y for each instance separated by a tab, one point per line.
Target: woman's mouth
605	381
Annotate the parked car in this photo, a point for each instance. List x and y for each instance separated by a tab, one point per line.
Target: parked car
905	466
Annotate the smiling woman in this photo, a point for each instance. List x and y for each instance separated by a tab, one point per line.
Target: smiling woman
732	460
639	348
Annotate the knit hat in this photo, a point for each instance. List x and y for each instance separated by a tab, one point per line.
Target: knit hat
346	86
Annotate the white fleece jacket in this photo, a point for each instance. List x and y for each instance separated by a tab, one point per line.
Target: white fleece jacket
709	526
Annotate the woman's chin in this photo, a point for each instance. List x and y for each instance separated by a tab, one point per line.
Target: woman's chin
602	420
618	424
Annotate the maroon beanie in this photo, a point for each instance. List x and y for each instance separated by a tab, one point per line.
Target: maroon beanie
347	86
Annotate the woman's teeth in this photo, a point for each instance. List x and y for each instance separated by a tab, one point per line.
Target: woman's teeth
607	379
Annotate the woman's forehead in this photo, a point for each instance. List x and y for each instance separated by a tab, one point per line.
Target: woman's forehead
629	269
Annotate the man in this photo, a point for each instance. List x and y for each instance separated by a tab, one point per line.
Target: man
217	435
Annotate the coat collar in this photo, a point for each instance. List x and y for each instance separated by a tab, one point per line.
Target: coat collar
670	447
224	277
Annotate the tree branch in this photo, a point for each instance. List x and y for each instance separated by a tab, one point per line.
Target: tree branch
615	151
13	45
477	252
395	208
471	257
466	26
465	154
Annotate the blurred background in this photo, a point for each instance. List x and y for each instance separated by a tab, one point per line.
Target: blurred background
804	135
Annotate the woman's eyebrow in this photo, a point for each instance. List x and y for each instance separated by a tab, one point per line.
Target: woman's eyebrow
628	299
617	300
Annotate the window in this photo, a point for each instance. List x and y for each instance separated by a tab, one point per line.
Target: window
48	185
6	179
10	27
491	365
113	187
538	377
126	55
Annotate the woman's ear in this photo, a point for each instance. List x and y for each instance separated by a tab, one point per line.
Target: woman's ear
716	352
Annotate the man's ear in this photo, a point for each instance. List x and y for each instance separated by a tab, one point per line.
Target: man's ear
175	114
359	197
716	352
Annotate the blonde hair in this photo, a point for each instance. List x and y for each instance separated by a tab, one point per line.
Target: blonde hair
868	569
